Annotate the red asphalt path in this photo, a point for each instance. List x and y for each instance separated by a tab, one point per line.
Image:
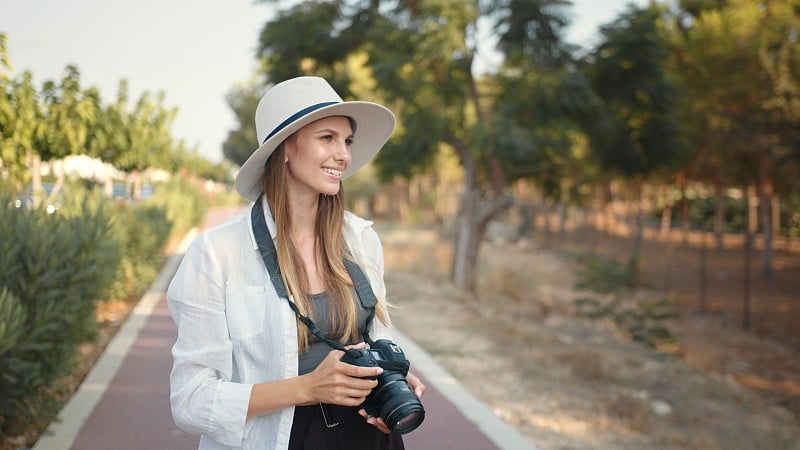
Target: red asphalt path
133	410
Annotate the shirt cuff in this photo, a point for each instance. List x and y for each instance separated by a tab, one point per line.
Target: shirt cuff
229	410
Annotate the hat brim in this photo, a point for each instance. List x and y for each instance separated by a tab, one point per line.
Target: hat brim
374	125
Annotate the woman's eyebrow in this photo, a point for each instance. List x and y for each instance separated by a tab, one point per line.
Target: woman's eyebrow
331	131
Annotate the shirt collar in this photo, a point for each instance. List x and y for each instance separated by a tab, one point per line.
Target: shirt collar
273	229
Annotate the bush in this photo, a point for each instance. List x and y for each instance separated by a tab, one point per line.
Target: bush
605	275
642	318
183	206
54	268
142	231
52	271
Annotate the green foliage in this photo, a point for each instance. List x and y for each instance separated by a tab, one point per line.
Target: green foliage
609	297
63	118
642	319
738	64
604	275
53	269
702	210
241	142
12	320
183	207
637	131
142	230
531	32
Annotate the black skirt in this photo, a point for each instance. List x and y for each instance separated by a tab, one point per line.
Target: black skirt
333	427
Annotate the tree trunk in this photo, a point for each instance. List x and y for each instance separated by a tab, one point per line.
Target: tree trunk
765	192
608	205
666	213
466	243
547	225
638	240
748	251
562	221
36	178
719	215
703	271
470	225
60	177
684	208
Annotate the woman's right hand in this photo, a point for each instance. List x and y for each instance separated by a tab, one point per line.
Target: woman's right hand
340	383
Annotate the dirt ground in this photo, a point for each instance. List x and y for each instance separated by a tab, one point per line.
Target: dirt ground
569	382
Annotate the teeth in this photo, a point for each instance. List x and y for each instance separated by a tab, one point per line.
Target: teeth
333	172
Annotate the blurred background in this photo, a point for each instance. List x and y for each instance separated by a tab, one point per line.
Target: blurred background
607	191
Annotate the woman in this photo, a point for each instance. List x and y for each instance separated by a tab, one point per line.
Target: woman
247	374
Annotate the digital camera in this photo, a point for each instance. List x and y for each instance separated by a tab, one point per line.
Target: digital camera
393	400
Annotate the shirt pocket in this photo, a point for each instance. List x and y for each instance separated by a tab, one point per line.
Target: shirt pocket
246	309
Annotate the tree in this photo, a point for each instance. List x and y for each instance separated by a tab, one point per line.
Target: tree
68	116
637	133
138	137
743	60
241	142
11	165
419	58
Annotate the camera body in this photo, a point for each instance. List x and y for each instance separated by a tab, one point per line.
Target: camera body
392	400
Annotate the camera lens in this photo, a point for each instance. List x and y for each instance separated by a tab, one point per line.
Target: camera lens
409	422
398	405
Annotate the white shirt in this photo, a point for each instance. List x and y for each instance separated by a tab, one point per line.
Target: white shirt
234	331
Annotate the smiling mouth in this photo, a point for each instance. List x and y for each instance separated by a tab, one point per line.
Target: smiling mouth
334	172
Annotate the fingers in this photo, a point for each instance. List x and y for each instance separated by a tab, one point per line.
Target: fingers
416	384
376	422
332	362
358	371
337	382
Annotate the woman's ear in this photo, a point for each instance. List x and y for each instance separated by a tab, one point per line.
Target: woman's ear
289	142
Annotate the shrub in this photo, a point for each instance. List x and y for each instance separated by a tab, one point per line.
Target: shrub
642	319
605	275
52	271
607	283
183	206
142	230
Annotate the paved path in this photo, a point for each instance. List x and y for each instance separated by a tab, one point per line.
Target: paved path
124	401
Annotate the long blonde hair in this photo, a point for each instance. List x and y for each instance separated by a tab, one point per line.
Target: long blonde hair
330	257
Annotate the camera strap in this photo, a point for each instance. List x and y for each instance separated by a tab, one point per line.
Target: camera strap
270	256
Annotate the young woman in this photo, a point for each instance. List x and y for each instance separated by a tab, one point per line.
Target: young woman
247	373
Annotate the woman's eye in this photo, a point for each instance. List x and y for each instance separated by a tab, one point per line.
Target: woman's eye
349	141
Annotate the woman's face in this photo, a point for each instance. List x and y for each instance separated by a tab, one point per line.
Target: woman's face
317	156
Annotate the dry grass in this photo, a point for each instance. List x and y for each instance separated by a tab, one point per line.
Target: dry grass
567	382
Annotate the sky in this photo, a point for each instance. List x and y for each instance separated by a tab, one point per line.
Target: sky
194	51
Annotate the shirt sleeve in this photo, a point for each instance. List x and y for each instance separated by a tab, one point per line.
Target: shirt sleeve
202	397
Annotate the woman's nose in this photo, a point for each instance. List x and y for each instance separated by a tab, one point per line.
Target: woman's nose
342	152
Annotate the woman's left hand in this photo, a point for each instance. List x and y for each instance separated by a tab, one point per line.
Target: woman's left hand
414	383
376	422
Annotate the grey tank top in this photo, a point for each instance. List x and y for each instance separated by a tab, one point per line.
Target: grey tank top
317	351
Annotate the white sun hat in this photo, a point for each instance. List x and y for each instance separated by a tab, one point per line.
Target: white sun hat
292	104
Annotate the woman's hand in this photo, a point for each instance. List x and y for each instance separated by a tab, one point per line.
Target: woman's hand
339	383
414	383
376	422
